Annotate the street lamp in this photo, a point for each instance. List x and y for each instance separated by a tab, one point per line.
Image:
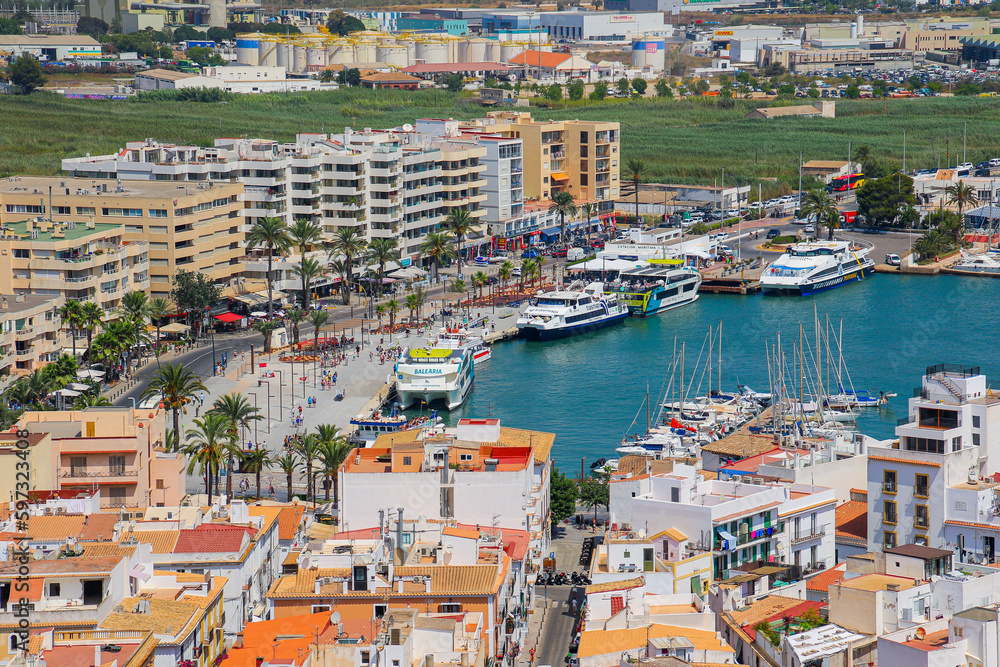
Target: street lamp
213	339
259	381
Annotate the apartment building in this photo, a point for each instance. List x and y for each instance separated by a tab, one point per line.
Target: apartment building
925	487
445	476
580	157
30	332
118	451
71	261
738	522
195	227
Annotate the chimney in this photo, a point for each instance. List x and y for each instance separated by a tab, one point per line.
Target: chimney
399	532
97	654
239	640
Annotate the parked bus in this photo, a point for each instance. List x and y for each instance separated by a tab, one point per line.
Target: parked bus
843	183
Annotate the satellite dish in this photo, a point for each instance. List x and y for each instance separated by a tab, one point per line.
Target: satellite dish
407	127
335	618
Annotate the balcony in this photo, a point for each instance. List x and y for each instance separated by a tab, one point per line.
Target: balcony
90	472
24	333
25	354
807	534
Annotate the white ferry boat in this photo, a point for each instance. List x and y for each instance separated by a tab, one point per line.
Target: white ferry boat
453	337
657	288
380	423
816	266
566	313
432	375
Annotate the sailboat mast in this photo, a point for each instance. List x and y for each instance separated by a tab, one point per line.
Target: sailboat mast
711	340
720	357
647	406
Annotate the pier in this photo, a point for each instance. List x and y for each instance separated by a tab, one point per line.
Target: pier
732	280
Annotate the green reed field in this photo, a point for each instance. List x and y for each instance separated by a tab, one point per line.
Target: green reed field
680	141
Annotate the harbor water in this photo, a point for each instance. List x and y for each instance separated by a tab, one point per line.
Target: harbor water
588	389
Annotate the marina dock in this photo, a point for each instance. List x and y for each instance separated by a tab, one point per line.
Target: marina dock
731	280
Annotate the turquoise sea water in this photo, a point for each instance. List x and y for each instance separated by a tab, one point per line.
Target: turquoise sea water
588	389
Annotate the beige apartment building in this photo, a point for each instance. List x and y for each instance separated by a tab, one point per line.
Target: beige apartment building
31	333
192	227
581	157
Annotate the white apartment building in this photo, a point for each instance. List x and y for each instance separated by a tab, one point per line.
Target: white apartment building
739	522
933	476
386	183
477	474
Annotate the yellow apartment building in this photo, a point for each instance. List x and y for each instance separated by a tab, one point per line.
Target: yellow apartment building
582	157
193	227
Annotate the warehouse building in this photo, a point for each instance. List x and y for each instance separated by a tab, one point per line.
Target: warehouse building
51	48
603	26
676	6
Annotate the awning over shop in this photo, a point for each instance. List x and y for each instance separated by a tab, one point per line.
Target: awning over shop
550	234
175	328
229	318
257	298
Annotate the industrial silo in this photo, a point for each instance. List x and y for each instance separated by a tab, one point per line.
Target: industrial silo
268	52
492	50
392	55
430	51
365	51
508	50
475	51
315	56
301	51
247	48
284	55
411	50
649	52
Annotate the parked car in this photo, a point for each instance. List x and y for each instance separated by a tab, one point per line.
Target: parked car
995	162
481	261
892	259
773	233
810	229
597	243
530	253
559	252
516	272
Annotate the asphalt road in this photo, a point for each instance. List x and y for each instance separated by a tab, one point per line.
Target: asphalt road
557	630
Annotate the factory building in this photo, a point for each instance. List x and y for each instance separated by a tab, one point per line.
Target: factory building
51	48
603	26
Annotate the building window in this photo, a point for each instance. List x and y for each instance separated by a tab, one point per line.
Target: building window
61	210
975	421
889	481
159	484
379	610
86	210
920	518
122	212
975	439
22	253
450	608
675	494
407	460
583	179
960	505
889	512
365	657
54	590
157	213
920	485
584	138
465	457
920	540
890	540
25	208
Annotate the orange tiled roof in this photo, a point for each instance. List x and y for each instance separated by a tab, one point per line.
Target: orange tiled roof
98	527
467	533
55	527
984	526
162	541
288	521
608	586
852	519
822	581
540	58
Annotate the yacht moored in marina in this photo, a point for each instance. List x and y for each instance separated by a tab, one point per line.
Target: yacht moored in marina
567	312
988	262
816	266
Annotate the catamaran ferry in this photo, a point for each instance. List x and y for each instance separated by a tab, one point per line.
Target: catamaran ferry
435	375
656	288
817	266
565	313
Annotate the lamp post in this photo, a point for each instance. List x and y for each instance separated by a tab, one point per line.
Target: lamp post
281	381
213	339
259	381
255	438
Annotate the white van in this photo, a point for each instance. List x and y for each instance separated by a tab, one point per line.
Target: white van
574	254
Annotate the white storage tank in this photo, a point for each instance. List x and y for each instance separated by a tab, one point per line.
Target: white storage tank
432	52
411	51
247	49
285	55
475	51
365	52
393	56
315	57
453	46
649	52
301	58
492	51
508	50
339	52
268	53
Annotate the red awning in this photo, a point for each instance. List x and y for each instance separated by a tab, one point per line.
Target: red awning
229	317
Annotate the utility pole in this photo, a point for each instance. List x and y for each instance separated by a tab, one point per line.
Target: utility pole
965	127
800	179
904	151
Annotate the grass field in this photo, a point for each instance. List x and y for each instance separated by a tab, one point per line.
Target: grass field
687	141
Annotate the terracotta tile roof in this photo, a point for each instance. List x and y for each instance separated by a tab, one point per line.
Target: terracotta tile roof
822	581
165	617
876	582
445	580
211	538
106	549
984	526
852	519
672	533
162	541
891	459
631	465
863	492
467	533
763	609
540	441
540	58
390	77
740	445
78	565
602	642
608	586
55	528
289	520
99	527
260	639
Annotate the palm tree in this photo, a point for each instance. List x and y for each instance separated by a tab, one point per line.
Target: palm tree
288	463
342	268
296	316
504	273
333	451
411	305
380	311
92	401
266	328
272	235
72	316
480	280
437	246
392	307
305	234
382	251
308	270
588	211
821	204
175	386
208	444
528	269
307	448
158	309
348	243
459	222
135	305
635	169
961	194
255	461
419	298
562	203
91	317
30	389
317	319
240	414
